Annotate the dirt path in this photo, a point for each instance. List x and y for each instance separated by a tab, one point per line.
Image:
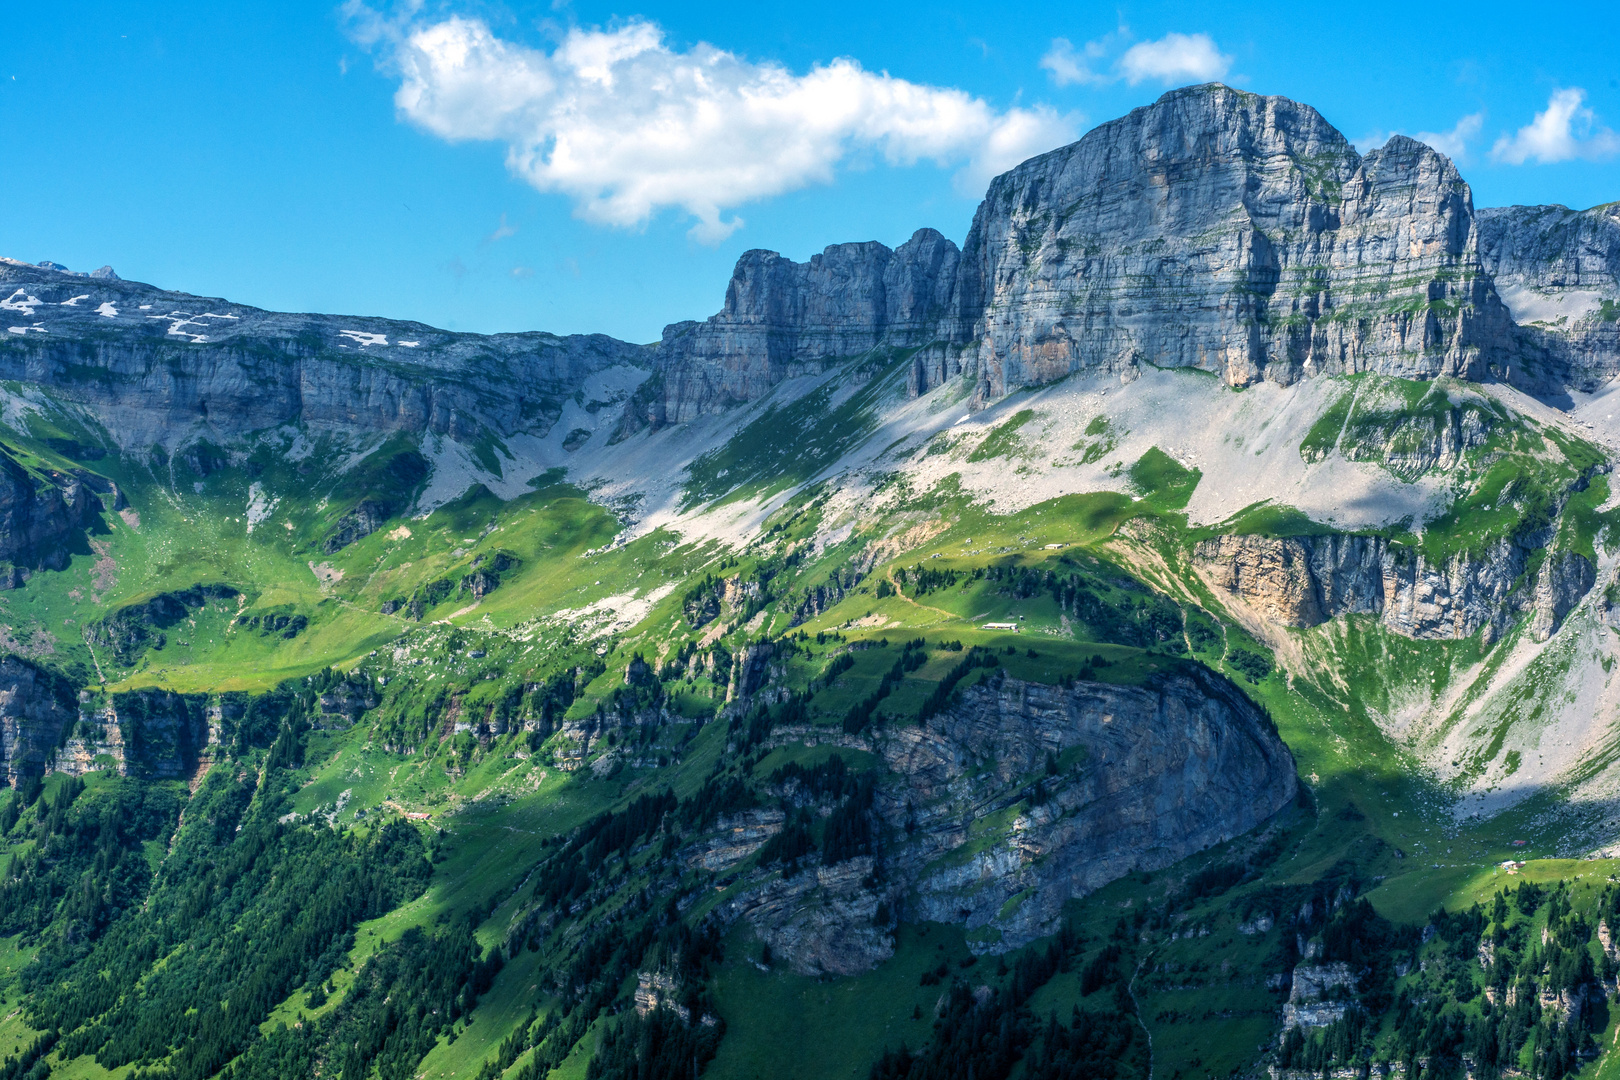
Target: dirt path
901	594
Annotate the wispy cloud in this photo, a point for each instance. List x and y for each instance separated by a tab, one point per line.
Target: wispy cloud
627	126
502	231
1067	66
1454	143
1174	58
1567	130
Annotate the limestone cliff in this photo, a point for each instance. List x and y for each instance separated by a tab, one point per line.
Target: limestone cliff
1558	270
148	732
40	514
1307	580
37	711
1215	228
783	318
985	831
159	366
1235	233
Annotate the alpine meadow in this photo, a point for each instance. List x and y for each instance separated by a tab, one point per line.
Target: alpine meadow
1169	636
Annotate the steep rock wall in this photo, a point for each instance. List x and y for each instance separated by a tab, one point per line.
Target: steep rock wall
155	364
39	516
1307	580
1152	775
783	318
1214	228
1163	771
37	710
1558	270
1236	233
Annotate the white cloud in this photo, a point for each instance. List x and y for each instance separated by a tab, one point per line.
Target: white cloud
1454	143
1175	58
1565	131
627	126
1066	67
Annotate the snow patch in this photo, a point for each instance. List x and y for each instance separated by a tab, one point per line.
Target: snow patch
364	338
74	302
409	344
107	309
26	305
179	320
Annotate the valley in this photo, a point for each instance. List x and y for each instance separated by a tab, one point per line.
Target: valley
1170	636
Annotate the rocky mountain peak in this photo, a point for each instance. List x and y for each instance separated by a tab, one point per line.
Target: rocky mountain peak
1234	232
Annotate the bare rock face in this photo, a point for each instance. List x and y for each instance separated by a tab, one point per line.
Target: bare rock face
1558	271
982	831
1236	233
156	364
1215	228
783	318
1159	772
37	708
1307	580
39	516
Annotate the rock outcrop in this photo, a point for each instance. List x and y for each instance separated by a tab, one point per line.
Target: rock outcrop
38	708
40	515
1236	233
1558	271
783	318
985	833
1307	580
1218	229
1160	772
161	367
1215	228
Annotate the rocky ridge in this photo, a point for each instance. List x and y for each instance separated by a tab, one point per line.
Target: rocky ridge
165	367
1217	229
1558	270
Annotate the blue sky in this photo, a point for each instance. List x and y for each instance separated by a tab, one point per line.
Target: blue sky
405	161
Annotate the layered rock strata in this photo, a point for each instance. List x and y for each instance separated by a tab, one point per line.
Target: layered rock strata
1304	581
985	833
40	516
1216	229
1558	271
157	366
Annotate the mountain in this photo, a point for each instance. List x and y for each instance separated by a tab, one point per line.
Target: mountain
1170	635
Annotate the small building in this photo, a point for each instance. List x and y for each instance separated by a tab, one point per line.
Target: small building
1001	626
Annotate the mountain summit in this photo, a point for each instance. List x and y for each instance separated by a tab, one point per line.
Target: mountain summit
1169	636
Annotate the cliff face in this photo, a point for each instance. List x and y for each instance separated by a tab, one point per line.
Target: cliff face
1217	229
43	728
37	710
1149	775
1159	773
1235	233
1307	580
157	365
1558	270
39	516
783	318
